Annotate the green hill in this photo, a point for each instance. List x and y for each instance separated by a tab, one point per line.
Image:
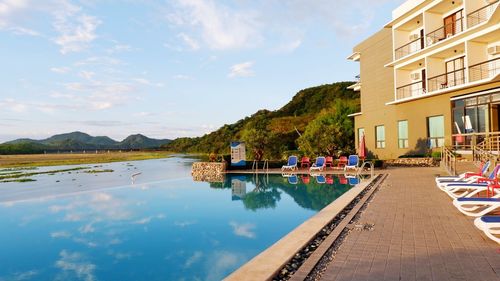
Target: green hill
314	114
78	141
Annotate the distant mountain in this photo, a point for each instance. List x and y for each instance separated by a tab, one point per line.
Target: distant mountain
81	141
141	141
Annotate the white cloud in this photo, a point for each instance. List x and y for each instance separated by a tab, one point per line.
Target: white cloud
183	224
143	220
24	31
60	70
60	234
21	276
73	265
76	30
14	105
241	70
86	74
243	230
182	77
190	42
88	228
289	46
193	259
219	26
118	48
144	81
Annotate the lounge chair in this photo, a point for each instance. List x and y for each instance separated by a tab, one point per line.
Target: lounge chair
293	179
330	180
477	207
490	225
305	179
305	162
291	165
458	190
320	179
329	161
467	180
352	162
342	162
481	172
319	165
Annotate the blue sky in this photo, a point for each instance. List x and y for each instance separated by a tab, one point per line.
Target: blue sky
171	68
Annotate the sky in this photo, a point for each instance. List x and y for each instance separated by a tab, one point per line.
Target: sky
168	69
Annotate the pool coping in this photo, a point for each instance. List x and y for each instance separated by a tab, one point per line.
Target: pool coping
266	265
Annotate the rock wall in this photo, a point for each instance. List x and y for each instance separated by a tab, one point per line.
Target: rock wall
412	162
208	171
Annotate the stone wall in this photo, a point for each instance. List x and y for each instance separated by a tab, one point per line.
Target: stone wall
412	162
208	171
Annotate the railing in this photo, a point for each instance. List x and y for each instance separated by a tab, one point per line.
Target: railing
409	48
410	90
446	80
448	160
480	15
484	70
489	141
445	31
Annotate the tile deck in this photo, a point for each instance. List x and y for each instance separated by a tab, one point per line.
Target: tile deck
418	235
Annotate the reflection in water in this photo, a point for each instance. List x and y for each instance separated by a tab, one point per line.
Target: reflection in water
171	229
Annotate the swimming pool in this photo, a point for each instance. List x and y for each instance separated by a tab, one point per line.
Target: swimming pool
163	227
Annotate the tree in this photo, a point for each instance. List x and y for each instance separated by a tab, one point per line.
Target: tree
330	131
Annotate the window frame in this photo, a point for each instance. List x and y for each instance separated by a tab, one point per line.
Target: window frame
379	143
401	140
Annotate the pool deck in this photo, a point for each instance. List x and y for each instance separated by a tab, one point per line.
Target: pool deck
418	235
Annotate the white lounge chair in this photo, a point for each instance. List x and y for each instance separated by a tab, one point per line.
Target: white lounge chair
319	165
481	172
448	185
477	207
291	165
458	190
490	225
352	162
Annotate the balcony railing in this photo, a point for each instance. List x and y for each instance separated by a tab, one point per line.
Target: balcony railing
484	70
480	15
445	31
410	90
446	80
409	48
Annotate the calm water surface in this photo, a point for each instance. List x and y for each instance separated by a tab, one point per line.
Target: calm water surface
164	226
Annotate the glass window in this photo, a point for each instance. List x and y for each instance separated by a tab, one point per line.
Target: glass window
380	136
361	132
403	134
435	126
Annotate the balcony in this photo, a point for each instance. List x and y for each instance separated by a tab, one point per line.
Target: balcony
411	90
447	80
481	15
484	70
445	31
409	48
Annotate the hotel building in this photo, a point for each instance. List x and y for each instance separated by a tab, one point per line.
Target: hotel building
430	78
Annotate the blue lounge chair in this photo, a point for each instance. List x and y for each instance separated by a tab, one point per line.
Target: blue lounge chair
476	206
458	190
293	179
490	225
291	165
352	162
462	177
353	180
320	179
319	165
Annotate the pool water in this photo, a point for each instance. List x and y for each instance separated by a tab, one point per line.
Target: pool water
159	228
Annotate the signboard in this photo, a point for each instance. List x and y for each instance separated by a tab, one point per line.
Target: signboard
238	153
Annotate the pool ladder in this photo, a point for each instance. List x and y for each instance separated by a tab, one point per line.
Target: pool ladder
363	166
265	166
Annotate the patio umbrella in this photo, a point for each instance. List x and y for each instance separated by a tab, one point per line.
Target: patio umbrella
362	147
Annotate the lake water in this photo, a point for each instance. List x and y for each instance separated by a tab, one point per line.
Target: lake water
163	226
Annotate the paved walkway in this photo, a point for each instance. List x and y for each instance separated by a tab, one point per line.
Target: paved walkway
418	235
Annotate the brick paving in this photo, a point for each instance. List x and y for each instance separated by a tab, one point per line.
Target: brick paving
418	235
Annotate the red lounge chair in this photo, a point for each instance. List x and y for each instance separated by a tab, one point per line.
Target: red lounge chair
329	161
342	162
343	179
329	180
306	179
305	162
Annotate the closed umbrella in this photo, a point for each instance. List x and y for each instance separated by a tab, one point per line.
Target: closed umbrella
362	147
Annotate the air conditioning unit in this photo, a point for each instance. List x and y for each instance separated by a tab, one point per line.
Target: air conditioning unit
414	37
494	50
415	76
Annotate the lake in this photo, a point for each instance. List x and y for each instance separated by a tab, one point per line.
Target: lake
77	225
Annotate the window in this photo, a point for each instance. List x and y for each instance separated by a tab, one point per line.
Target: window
361	132
380	136
403	134
435	127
